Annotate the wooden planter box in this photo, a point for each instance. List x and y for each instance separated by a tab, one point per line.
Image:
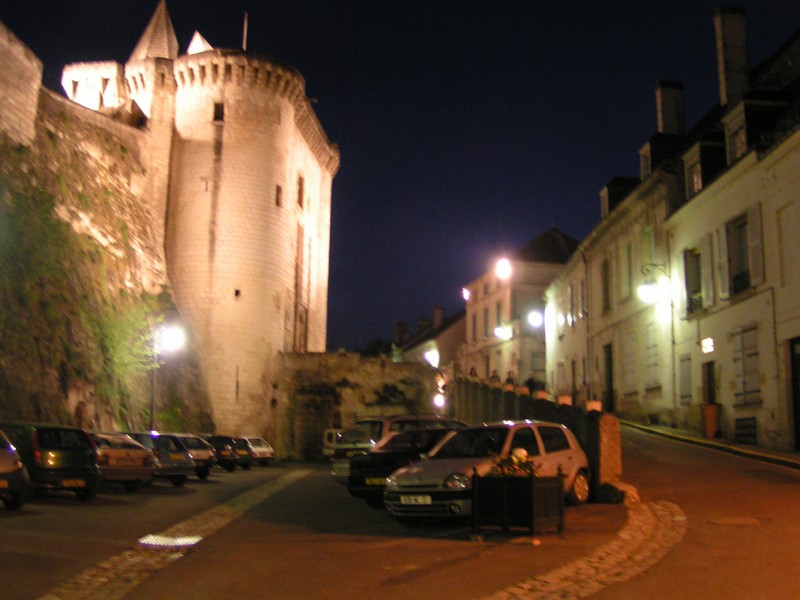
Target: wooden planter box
532	503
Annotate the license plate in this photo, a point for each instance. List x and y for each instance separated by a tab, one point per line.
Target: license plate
241	452
3	483
125	461
71	483
176	456
375	481
415	499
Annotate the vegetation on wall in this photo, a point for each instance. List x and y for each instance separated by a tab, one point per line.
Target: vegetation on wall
66	332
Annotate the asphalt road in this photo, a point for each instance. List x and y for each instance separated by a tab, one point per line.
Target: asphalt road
743	534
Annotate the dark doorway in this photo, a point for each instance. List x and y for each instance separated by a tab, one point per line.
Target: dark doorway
709	383
795	349
608	390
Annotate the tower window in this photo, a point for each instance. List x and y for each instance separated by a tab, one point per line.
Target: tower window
219	112
278	196
301	184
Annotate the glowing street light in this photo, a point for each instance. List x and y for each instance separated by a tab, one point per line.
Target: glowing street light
535	319
503	269
166	340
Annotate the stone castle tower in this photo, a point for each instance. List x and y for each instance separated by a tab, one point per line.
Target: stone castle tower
239	176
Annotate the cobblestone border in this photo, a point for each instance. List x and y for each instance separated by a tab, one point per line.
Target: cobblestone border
115	577
649	533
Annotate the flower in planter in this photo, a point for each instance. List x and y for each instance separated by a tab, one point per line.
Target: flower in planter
514	465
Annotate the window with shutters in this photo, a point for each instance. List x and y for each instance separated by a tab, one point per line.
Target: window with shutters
652	356
685	374
699	276
745	267
745	362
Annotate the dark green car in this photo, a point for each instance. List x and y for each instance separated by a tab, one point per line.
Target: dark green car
57	457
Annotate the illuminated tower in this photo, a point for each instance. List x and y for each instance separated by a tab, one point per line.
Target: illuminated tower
239	175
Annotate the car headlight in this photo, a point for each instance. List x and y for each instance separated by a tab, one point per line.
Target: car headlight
391	484
458	481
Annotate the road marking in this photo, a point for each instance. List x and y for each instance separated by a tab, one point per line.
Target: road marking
115	577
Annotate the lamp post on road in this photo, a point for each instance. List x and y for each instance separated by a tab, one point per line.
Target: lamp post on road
167	339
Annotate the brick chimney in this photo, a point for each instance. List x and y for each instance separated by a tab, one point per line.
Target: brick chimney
669	107
730	25
400	332
438	316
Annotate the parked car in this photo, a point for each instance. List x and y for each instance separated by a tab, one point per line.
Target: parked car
368	472
173	461
225	447
244	452
123	460
56	457
204	457
14	480
441	484
366	432
260	450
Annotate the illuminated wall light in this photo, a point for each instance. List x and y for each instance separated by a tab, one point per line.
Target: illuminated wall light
432	358
439	400
560	319
503	332
535	318
466	294
503	268
707	345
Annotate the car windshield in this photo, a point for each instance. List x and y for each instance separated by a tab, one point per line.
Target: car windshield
258	442
194	443
364	431
481	442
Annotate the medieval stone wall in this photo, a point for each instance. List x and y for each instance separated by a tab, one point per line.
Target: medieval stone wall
315	392
20	80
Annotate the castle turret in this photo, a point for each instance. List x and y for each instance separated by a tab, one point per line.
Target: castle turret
249	220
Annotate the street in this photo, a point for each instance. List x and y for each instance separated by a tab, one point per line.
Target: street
288	531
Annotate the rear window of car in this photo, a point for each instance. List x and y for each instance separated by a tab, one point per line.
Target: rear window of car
63	439
364	431
194	443
416	440
258	442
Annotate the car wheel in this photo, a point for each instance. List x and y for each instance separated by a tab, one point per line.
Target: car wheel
86	493
202	473
230	467
264	463
177	480
246	466
13	502
579	492
131	486
375	499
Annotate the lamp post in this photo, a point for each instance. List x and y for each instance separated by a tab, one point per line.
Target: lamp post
167	338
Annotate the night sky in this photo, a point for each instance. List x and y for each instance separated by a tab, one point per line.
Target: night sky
465	128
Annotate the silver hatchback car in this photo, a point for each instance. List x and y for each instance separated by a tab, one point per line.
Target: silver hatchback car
440	485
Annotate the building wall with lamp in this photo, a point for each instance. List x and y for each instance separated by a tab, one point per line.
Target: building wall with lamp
714	223
500	339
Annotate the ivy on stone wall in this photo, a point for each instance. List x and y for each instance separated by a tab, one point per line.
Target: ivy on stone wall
62	328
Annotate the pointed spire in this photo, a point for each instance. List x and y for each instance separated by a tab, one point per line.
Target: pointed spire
158	39
198	44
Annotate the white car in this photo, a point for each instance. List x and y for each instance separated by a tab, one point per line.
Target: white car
260	450
440	485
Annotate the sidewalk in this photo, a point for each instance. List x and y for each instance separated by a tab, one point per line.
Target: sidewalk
778	457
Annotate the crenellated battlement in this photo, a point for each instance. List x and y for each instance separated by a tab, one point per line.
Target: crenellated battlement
218	69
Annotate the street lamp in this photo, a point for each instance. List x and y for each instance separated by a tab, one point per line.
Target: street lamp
166	339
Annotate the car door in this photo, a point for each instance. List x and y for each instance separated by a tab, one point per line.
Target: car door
525	438
557	451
